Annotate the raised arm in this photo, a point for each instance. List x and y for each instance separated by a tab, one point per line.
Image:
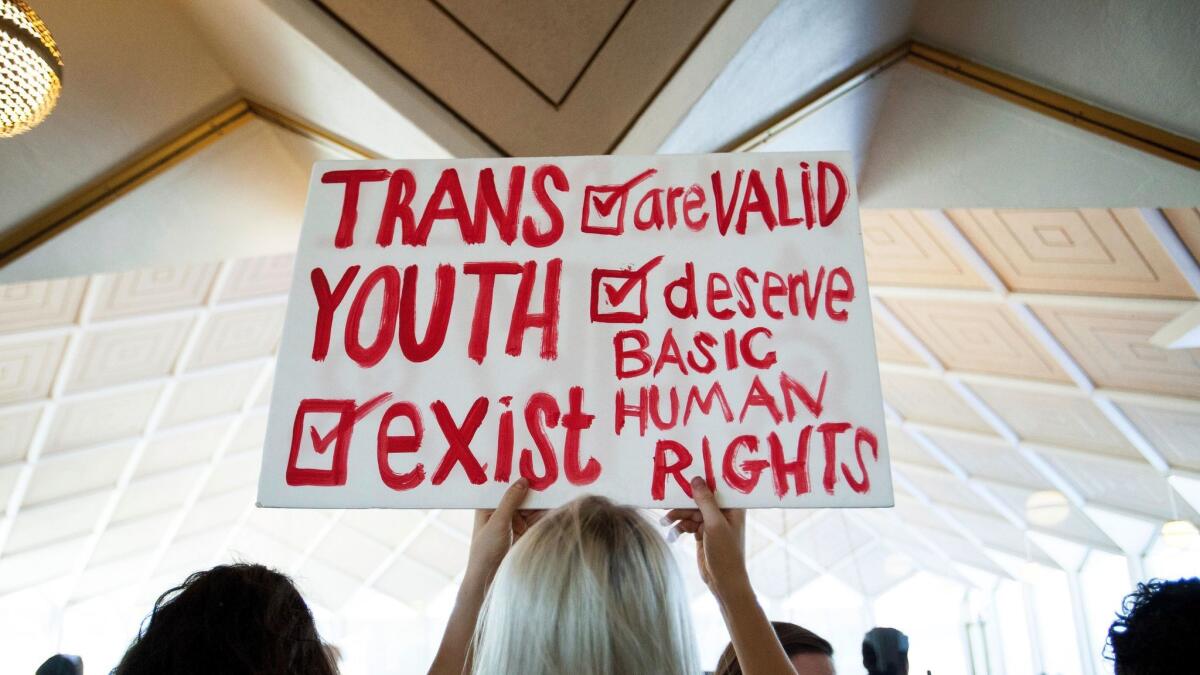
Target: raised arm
720	554
493	534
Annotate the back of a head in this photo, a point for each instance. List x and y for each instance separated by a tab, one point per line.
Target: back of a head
1154	634
885	652
591	588
232	619
795	640
61	664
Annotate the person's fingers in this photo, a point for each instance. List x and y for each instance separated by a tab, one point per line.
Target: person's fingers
707	501
681	514
513	496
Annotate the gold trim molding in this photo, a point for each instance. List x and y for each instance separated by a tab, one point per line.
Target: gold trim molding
82	203
110	187
1116	127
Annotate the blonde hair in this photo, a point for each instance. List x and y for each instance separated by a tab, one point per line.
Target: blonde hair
591	589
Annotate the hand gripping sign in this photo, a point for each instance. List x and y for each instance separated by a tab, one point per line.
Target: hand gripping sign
611	325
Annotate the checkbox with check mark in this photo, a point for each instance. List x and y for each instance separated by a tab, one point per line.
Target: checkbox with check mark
321	439
604	205
619	296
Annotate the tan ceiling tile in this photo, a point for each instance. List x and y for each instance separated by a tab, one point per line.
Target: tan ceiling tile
1133	486
943	487
1172	427
95	419
889	348
1075	526
258	277
903	248
45	523
982	337
902	447
992	459
155	494
387	526
351	551
217	512
411	583
153	290
1087	251
9	473
40	304
181	447
127	353
1187	224
923	398
325	585
71	473
1114	348
27	367
23	570
234	471
119	541
209	395
104	577
187	554
17	426
438	550
238	334
1066	418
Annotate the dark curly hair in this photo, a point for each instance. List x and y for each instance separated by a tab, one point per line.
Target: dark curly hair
232	619
1154	632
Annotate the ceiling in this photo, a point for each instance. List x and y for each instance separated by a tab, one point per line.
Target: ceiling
133	405
1019	266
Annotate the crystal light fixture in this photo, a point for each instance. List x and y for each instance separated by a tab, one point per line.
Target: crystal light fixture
30	69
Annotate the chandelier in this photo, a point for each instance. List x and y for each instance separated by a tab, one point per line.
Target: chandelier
30	69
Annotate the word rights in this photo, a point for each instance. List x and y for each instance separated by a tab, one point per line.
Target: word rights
606	325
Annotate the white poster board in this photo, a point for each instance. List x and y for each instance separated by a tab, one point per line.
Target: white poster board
612	325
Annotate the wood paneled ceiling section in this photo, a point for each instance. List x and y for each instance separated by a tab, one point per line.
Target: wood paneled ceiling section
543	77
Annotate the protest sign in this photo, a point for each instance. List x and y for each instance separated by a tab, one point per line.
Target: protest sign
610	325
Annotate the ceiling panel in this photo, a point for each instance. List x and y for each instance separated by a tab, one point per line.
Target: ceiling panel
155	494
75	472
977	336
1126	485
549	42
153	290
100	417
40	304
17	426
181	447
1187	225
983	457
128	353
486	55
1113	346
903	248
27	367
1074	526
1094	251
258	277
889	348
901	446
44	524
1064	417
414	584
238	334
209	395
925	398
1172	426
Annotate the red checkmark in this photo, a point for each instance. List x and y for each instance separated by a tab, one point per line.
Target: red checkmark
617	295
603	199
322	443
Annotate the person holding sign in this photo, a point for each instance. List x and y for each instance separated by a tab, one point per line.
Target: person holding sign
592	588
